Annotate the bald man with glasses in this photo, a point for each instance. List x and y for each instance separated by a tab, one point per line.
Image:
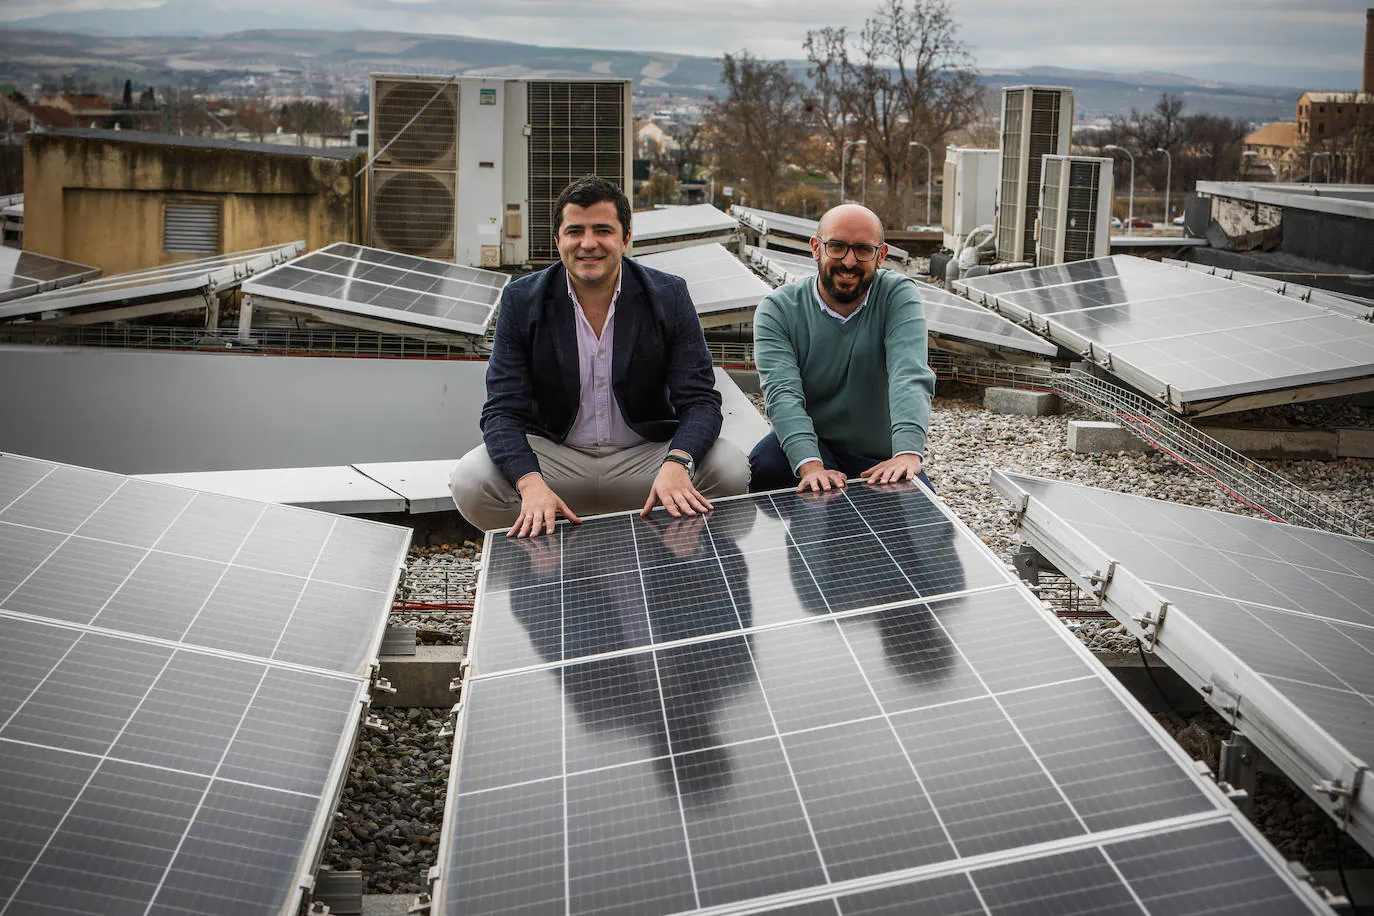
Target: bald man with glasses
842	361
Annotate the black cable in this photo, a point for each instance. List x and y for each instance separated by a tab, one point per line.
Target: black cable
1340	868
1140	647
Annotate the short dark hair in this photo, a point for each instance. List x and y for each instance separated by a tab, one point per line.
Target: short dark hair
589	190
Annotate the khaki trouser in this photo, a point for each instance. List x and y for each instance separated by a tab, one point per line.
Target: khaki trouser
591	481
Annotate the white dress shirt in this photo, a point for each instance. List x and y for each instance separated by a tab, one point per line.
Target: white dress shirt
599	421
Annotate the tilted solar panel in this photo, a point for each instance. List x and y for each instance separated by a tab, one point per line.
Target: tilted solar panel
1196	342
1268	617
184	676
680	222
833	704
352	279
716	279
800	228
23	273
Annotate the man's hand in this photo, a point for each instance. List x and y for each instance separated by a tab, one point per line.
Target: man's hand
673	488
539	508
898	467
817	477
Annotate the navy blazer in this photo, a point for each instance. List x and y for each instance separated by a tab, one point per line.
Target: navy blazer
660	370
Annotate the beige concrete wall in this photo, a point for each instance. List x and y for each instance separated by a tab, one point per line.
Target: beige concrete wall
100	202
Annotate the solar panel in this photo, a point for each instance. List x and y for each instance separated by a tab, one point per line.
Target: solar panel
23	273
716	279
768	222
680	223
946	314
353	280
1271	619
184	674
1196	342
800	700
170	281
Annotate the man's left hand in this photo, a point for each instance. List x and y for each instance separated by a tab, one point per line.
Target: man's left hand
673	488
899	467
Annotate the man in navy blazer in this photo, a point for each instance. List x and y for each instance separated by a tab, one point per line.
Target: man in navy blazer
600	392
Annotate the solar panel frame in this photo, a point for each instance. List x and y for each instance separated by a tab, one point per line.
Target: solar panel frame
32	273
552	880
679	222
716	280
168	281
286	736
317	279
1280	715
1229	352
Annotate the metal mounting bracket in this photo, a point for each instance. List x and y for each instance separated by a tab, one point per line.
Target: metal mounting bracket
1343	790
1018	511
1150	624
383	685
1225	698
451	725
1100	580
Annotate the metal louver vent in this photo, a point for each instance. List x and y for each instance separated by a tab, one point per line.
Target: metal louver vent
1081	214
1075	204
1010	205
576	129
413	212
1051	178
432	141
191	226
1044	141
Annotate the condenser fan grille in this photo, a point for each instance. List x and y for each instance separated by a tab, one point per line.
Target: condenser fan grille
413	213
431	142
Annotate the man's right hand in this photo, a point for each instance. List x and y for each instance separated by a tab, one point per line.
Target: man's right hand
817	477
539	508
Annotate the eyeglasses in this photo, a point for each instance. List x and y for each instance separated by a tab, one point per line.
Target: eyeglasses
837	250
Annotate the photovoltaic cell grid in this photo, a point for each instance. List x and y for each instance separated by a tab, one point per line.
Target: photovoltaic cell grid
183	677
838	705
386	284
1293	604
165	282
716	279
946	314
1182	336
23	273
680	222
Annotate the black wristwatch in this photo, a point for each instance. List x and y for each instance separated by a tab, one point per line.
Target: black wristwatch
687	463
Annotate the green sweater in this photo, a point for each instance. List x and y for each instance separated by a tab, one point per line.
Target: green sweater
862	385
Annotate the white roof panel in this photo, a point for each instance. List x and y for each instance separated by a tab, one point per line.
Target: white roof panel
716	279
672	222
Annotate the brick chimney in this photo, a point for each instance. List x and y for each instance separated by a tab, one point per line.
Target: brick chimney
1368	84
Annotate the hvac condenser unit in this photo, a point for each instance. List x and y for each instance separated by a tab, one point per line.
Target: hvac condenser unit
1075	209
477	162
970	198
1036	121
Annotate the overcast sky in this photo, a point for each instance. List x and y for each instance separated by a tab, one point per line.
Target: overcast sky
1209	38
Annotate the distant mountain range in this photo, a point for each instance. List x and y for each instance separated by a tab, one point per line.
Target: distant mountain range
174	47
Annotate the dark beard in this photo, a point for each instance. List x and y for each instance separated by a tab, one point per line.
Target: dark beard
844	297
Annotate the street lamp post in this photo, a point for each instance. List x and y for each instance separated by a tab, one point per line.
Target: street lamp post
1130	201
928	172
1168	180
863	197
844	162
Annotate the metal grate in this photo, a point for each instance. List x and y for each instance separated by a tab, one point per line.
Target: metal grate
191	226
576	129
1050	216
432	141
1080	223
1011	209
413	212
1044	141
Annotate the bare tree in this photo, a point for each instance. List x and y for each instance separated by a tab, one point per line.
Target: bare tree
906	77
755	128
310	117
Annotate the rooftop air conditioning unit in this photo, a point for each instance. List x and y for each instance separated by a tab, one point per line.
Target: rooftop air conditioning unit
1036	121
1075	209
477	162
970	193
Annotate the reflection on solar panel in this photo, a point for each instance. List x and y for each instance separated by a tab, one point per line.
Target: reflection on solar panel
799	228
947	315
1271	618
716	279
350	279
1346	304
183	676
693	225
185	278
810	705
1197	342
23	273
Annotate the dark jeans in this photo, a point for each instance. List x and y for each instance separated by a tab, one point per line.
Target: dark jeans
769	468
